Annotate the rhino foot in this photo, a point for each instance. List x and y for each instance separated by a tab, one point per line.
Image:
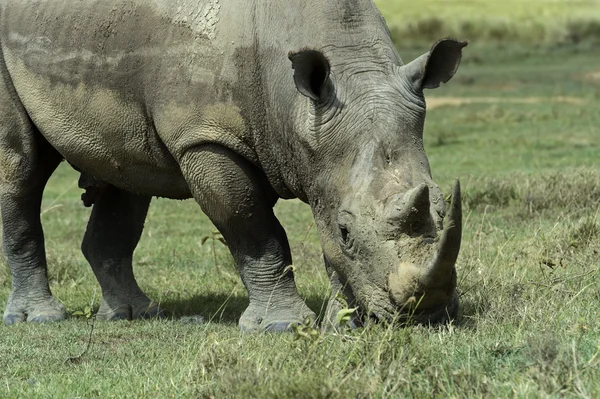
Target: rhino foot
141	308
39	311
263	318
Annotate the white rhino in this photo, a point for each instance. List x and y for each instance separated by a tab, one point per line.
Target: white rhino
236	103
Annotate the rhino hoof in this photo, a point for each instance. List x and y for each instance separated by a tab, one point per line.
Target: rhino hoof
266	319
130	312
275	327
46	318
14	318
44	312
280	326
114	314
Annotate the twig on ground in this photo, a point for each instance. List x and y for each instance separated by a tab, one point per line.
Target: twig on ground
91	322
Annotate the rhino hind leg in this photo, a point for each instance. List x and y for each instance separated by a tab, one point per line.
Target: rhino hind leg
236	196
113	232
26	163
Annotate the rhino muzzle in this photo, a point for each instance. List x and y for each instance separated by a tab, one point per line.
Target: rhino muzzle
428	291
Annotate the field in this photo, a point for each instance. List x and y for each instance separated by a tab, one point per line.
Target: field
519	125
510	21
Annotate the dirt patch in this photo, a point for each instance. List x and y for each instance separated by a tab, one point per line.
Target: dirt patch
499	87
593	76
437	102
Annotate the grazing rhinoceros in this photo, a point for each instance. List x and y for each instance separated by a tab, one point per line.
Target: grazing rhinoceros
236	103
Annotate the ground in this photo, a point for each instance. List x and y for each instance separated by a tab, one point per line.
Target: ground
519	125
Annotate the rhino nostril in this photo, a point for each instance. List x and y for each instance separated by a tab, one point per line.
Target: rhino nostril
345	219
344	234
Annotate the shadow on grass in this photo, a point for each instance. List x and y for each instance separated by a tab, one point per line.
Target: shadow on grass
470	312
223	308
227	309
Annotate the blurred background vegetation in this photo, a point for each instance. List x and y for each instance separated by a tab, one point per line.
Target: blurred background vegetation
507	21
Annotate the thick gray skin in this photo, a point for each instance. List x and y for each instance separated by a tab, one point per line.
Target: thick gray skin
236	103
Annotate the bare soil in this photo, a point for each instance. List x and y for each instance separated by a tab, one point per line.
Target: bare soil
437	102
592	76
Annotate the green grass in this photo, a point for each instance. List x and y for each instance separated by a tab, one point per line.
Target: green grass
533	21
528	270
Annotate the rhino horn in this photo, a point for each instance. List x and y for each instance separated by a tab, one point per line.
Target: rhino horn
441	266
418	201
413	215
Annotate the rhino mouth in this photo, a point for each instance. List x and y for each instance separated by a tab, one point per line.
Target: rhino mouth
424	291
436	315
439	314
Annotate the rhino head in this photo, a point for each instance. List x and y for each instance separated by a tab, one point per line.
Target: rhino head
390	241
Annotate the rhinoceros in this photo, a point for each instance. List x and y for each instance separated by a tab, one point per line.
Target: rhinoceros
235	103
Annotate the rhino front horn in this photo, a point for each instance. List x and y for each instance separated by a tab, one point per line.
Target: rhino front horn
441	267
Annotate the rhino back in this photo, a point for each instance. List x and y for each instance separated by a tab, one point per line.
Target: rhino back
92	73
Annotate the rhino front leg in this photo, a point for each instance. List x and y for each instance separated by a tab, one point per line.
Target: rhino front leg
341	299
238	199
26	168
112	234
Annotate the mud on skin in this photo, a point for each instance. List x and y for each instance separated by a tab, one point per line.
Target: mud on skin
235	104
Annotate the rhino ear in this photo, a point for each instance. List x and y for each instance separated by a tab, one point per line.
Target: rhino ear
437	66
311	73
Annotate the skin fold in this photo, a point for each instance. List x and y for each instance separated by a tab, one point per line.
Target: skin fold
236	104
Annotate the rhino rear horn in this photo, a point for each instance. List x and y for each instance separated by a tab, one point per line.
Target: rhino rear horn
311	73
437	66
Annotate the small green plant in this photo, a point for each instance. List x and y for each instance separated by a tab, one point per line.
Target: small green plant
86	313
306	331
344	315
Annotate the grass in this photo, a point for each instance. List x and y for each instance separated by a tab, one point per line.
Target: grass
510	21
528	269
